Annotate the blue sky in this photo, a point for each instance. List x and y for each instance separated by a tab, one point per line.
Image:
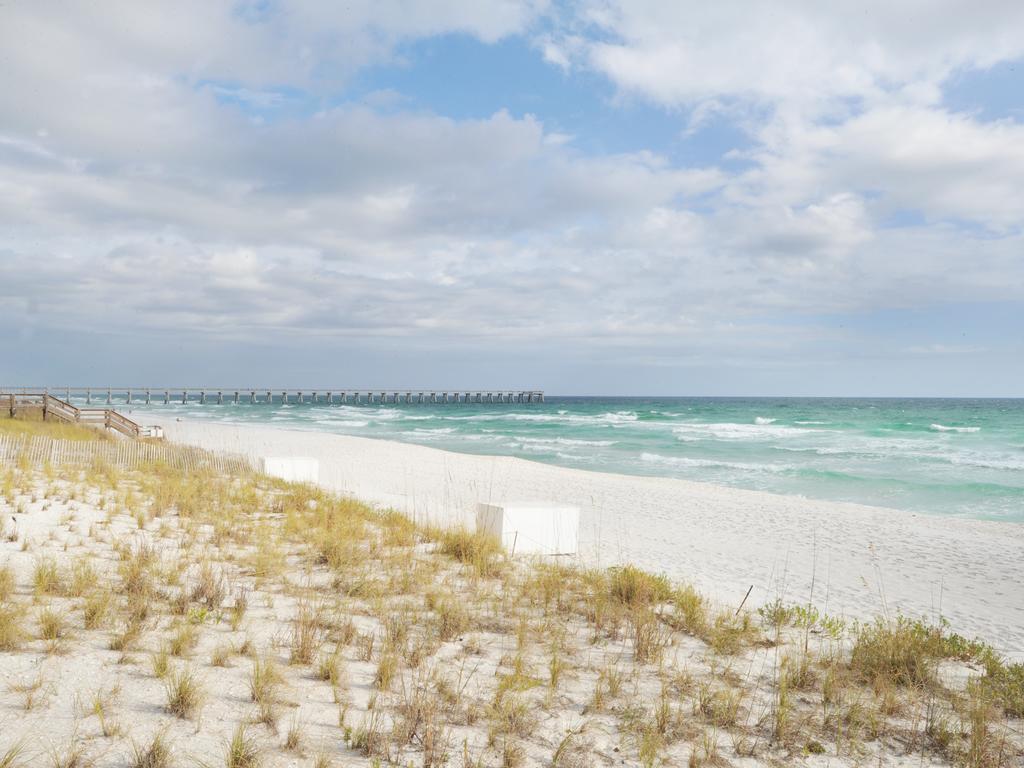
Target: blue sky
586	197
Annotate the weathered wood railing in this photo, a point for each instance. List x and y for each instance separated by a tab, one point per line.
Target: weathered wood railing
65	411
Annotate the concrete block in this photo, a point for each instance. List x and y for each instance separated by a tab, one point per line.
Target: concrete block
541	528
296	469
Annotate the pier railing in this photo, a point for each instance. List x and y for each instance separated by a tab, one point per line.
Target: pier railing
272	395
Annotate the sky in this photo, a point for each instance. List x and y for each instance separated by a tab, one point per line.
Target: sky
589	197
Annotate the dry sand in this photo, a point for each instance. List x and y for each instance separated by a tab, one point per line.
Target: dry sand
851	560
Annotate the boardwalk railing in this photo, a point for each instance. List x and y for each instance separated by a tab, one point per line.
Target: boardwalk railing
65	411
124	454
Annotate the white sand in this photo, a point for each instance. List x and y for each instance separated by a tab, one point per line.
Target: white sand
862	561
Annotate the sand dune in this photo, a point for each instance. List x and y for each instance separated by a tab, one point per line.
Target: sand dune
851	560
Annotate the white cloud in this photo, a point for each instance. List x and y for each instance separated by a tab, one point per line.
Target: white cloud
131	197
789	51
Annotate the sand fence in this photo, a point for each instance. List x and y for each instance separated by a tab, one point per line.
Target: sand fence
124	454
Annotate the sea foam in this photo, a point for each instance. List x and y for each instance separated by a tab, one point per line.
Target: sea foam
684	461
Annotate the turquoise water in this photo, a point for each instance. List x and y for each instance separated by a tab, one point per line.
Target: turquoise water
950	457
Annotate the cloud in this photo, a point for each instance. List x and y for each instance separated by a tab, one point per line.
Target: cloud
146	191
792	52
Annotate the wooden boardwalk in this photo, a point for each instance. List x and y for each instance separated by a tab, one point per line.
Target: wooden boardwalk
62	410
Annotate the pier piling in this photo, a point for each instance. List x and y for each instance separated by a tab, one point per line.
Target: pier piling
132	396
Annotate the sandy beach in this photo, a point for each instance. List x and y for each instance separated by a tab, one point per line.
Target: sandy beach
175	608
850	560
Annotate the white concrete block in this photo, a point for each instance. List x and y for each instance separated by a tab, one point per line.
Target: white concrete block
296	469
541	528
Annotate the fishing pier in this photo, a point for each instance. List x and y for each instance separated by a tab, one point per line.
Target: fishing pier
282	396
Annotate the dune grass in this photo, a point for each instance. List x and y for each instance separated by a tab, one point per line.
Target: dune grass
185	693
29	423
447	634
156	754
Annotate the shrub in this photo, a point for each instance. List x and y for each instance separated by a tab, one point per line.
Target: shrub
902	652
632	586
1006	682
730	633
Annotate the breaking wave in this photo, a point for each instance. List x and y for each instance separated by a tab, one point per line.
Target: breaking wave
684	461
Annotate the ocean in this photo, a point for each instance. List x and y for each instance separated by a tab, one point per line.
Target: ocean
943	457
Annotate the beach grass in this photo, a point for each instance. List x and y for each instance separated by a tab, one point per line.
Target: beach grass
406	643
